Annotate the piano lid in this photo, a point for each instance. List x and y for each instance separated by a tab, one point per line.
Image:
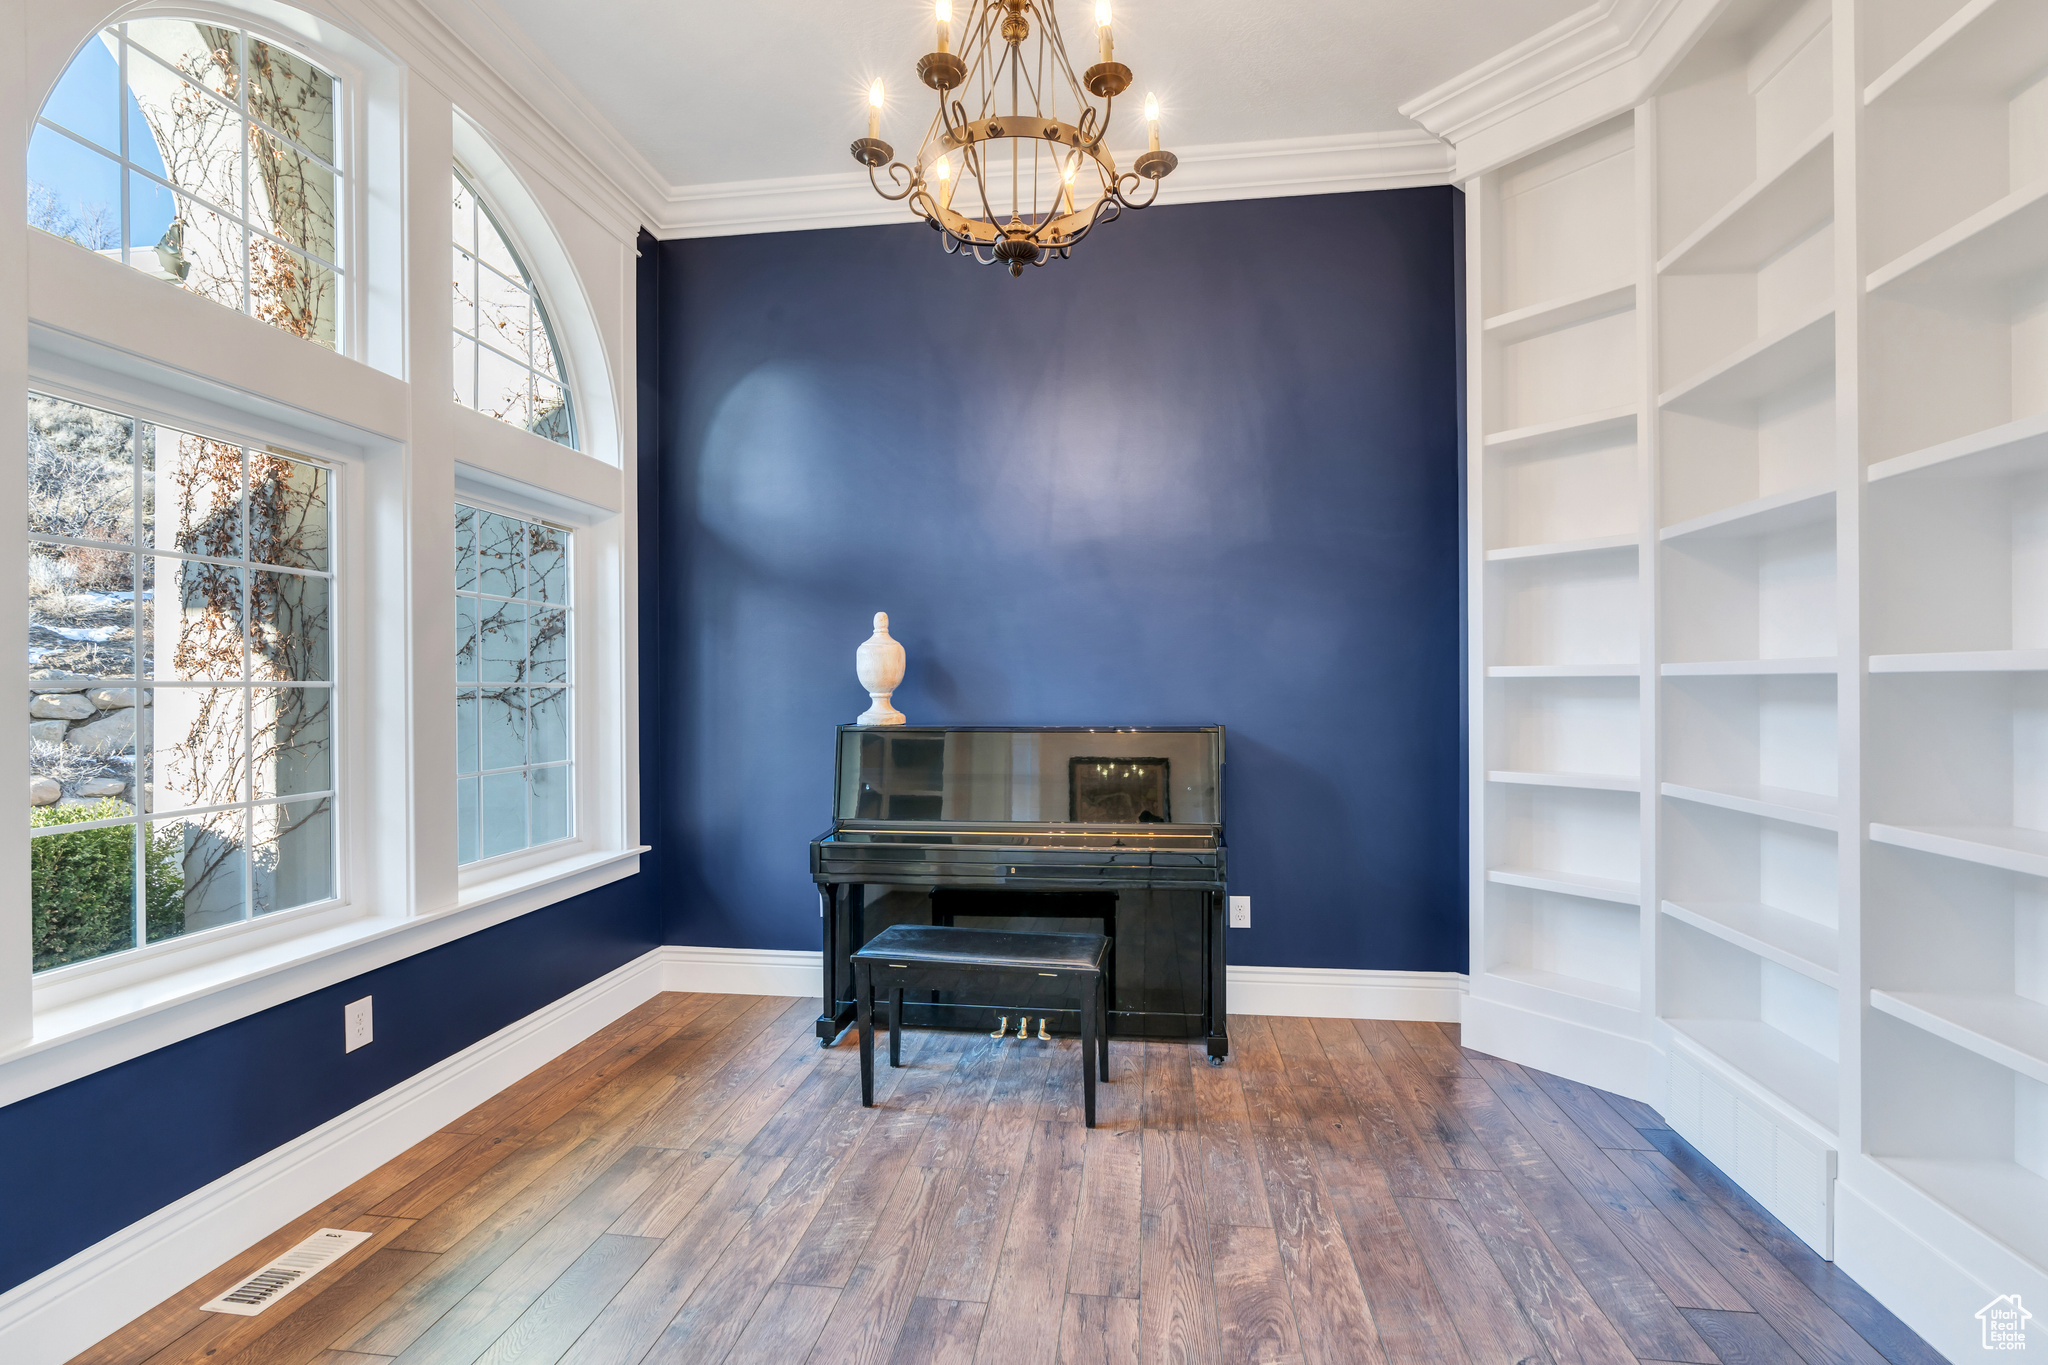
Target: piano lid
1055	775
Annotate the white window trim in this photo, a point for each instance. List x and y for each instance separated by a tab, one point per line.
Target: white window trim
94	1014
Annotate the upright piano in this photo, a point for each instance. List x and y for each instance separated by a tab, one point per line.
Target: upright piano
1053	827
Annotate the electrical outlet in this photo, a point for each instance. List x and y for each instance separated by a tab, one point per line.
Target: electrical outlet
355	1024
1240	912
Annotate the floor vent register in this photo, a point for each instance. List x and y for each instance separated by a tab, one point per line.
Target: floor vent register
286	1273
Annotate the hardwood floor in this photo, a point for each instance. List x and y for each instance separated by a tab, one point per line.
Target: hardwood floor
700	1183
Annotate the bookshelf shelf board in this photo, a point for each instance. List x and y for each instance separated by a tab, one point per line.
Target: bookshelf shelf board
2010	1030
1749	668
2006	846
1607	421
1563	671
2009	238
1792	941
1599	993
1562	547
2015	448
1568	884
1772	212
1965	661
1598	782
1771	803
1763	367
2004	1199
1987	45
1795	1073
1758	517
1555	314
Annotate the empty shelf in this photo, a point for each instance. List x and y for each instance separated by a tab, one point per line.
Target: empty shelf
2014	448
1568	884
2008	1029
1598	992
1792	1071
1563	547
1775	210
1790	940
1772	803
2006	846
1554	314
1759	516
2004	1198
1563	671
1601	782
1765	366
1749	668
2009	238
1964	661
1986	48
1610	421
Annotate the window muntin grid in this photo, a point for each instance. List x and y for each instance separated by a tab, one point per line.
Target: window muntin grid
513	714
188	733
507	365
231	139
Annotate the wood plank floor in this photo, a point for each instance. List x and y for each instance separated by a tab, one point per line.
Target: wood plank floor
699	1183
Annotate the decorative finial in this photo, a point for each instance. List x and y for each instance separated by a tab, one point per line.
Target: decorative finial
878	663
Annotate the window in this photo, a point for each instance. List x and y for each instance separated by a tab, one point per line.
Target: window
512	684
203	156
181	702
505	354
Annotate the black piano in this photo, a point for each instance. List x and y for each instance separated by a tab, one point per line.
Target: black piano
1047	828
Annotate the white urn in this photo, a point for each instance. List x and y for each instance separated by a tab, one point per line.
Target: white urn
879	665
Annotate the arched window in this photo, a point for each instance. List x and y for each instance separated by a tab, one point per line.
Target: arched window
506	363
205	156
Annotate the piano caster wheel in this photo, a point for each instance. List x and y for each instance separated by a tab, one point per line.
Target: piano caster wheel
1215	1061
1043	1035
1003	1026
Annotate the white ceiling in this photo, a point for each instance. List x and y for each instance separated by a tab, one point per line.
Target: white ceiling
711	93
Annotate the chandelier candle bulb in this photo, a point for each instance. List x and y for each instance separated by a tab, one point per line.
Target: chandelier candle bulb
945	14
875	111
944	170
1102	30
1151	117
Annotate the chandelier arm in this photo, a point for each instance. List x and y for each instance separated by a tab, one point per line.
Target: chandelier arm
1107	210
1125	199
897	172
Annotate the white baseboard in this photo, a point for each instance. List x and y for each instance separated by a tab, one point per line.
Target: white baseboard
1312	992
72	1305
742	971
1339	993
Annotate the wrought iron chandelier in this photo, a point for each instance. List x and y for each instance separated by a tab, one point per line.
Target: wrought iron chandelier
1026	202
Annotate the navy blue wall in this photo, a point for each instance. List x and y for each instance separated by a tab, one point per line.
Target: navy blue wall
87	1159
1205	471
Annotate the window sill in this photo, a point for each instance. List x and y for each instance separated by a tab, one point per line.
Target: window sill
87	1032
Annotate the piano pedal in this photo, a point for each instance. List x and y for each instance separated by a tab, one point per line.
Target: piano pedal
1003	1027
1047	1037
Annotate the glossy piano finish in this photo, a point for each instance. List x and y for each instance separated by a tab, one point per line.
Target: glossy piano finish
1126	811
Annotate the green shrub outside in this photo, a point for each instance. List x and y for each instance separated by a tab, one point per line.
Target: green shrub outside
82	884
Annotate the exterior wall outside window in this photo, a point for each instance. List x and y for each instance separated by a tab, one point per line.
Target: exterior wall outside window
203	156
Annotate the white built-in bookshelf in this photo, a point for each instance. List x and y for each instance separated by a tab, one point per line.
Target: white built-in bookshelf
1759	528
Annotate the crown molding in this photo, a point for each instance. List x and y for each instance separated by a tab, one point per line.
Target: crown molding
1593	64
1239	170
521	101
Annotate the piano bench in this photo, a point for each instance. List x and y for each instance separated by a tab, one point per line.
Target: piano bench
943	958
